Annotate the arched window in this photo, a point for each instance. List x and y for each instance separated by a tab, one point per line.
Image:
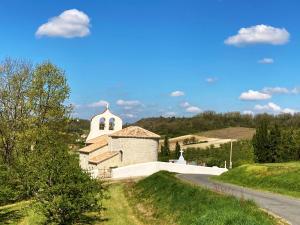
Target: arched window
121	156
111	123
102	123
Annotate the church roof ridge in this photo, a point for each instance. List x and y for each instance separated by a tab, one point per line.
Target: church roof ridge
135	132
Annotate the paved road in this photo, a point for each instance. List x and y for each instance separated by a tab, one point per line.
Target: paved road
286	207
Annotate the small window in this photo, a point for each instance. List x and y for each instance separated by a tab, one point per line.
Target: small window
121	156
102	124
111	123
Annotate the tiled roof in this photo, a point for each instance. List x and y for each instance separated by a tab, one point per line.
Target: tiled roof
97	139
136	132
102	157
101	142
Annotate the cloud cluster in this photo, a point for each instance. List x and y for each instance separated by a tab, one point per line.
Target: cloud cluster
276	90
251	95
259	34
190	108
273	108
211	79
266	61
128	103
177	93
101	103
69	24
267	93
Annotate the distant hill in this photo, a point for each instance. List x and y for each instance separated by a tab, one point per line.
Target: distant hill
206	121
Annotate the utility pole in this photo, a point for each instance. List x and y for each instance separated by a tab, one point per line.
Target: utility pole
230	162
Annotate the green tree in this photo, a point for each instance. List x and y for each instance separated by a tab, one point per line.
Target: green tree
31	104
273	153
177	150
261	143
66	192
166	147
34	144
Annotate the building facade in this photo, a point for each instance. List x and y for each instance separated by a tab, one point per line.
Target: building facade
109	146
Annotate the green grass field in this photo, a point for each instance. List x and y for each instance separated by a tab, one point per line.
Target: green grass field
117	211
283	178
186	204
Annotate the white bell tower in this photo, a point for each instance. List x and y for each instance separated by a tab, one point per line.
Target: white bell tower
104	123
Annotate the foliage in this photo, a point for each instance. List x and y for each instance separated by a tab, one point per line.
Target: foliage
283	178
275	144
34	137
175	126
31	104
66	192
212	156
187	204
165	148
177	150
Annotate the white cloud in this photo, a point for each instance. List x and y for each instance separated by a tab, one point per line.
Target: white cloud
190	108
254	95
272	107
266	61
295	90
177	94
193	109
69	24
185	104
275	90
289	111
259	34
211	79
169	114
268	107
248	112
128	103
100	103
129	115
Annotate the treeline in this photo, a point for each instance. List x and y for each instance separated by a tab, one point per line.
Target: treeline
34	136
178	126
273	143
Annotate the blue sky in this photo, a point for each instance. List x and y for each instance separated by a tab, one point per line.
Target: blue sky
163	57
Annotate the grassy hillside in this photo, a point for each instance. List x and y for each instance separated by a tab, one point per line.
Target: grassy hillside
240	133
117	212
187	204
283	178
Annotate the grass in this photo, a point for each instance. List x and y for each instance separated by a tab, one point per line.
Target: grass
117	212
186	204
282	178
20	213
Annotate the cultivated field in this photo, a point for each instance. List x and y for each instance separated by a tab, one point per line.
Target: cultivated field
213	137
239	133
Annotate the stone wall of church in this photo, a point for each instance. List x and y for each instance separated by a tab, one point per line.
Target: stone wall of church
135	150
107	164
84	158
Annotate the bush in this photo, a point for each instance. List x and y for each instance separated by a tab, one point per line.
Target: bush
66	192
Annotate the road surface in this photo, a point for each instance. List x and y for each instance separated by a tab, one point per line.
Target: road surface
285	207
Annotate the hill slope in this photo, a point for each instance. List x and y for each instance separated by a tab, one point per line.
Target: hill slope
187	204
283	178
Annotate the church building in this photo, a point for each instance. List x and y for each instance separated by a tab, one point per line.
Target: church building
108	145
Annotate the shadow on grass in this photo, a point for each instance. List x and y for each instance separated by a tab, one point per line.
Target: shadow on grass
92	218
10	216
